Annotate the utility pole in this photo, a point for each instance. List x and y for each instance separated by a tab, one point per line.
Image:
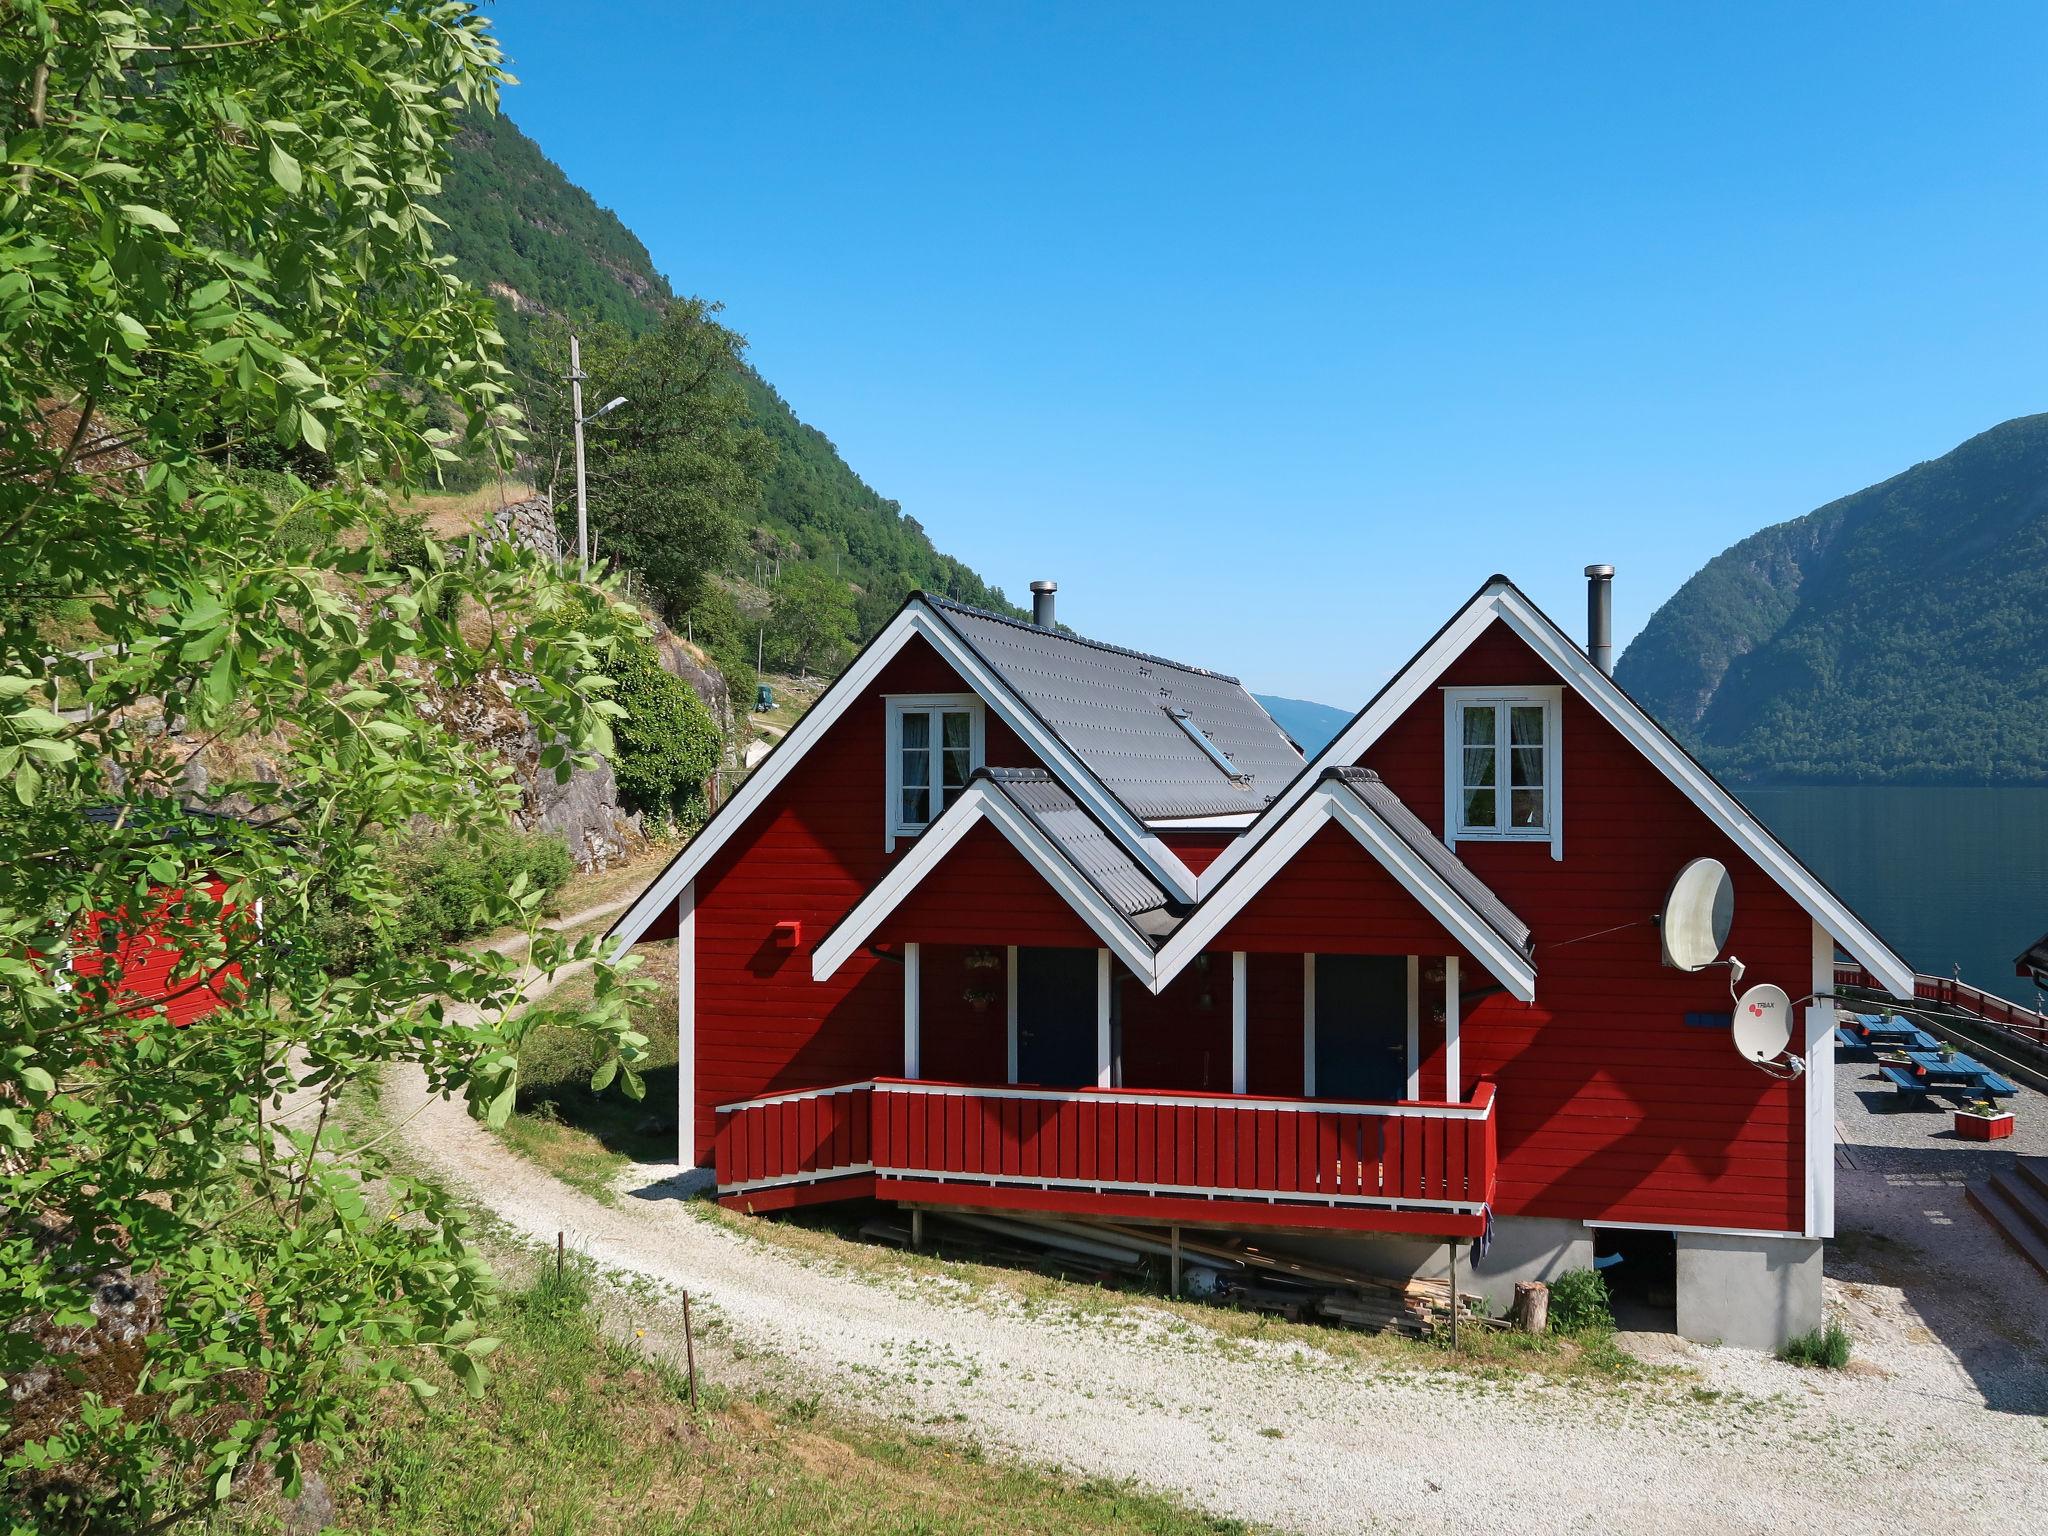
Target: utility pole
576	378
576	410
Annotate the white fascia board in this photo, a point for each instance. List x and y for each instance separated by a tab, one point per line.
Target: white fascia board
1236	821
1510	968
847	689
932	845
1720	807
1500	600
1365	728
1160	861
980	803
1269	855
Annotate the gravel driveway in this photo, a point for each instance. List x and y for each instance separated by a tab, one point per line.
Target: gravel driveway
1938	1426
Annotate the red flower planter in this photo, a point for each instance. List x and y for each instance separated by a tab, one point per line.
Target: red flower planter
1983	1127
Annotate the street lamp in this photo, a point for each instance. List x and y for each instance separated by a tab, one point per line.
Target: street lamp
576	378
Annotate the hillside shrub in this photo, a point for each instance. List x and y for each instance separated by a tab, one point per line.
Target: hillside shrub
667	744
1578	1303
1824	1349
450	884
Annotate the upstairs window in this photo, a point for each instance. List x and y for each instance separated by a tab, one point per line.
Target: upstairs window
935	742
1502	761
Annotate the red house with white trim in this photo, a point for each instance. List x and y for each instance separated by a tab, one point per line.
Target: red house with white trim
1014	920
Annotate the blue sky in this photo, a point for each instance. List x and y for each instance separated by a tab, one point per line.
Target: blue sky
1271	332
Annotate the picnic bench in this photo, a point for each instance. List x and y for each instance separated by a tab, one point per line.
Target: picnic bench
1952	1076
1875	1032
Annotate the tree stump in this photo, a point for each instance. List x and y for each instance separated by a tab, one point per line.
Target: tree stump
1532	1306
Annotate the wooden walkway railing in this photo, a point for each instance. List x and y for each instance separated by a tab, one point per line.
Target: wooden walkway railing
891	1133
1949	992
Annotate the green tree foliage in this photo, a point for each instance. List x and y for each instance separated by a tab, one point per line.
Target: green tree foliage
667	741
515	220
213	235
674	472
1899	635
812	623
450	885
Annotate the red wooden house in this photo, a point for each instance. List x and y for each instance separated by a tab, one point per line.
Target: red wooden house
1014	920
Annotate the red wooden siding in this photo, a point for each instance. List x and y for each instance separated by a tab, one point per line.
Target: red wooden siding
1198	850
1180	1038
955	1040
808	854
985	892
1610	1104
1335	898
150	963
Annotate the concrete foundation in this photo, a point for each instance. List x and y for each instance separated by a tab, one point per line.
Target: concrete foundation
1528	1248
1754	1292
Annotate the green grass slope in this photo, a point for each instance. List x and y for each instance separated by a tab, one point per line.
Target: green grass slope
539	244
1899	635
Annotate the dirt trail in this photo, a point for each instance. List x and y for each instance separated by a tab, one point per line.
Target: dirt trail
1277	1434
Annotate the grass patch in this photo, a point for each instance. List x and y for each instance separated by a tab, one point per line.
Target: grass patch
580	1434
1824	1349
587	1139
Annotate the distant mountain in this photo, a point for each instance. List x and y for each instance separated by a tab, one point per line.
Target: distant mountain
519	229
1311	725
1899	635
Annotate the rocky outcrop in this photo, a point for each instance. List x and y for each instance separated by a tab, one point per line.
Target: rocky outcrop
530	524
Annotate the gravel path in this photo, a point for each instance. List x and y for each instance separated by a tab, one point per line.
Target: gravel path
1937	1427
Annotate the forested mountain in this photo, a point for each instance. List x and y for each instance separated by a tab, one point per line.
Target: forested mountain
1899	635
522	231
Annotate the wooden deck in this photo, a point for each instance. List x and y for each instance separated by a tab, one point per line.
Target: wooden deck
1196	1158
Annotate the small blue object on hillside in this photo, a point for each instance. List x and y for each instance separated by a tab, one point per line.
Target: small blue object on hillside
764	698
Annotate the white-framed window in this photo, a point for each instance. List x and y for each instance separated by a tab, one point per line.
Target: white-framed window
1503	766
935	741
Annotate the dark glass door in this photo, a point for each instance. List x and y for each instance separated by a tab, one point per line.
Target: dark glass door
1361	1026
1056	1017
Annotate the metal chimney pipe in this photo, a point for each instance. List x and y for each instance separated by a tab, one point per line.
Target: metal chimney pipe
1600	616
1041	602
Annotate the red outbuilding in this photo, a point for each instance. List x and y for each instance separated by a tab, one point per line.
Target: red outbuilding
1018	921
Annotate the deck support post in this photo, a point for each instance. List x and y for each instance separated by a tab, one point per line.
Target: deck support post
1453	1072
1176	1261
1454	1291
1105	1062
910	1012
1239	1074
917	1228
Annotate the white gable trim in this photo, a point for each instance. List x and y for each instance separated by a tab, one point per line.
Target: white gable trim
980	804
1327	804
851	686
1500	600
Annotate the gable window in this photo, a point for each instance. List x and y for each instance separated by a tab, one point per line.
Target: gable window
935	742
1502	761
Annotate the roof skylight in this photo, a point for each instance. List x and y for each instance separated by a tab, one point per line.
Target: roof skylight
1214	753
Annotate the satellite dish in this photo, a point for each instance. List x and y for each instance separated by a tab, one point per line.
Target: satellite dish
1697	915
1763	1023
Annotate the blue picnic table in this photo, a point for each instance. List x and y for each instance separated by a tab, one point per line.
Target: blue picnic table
1953	1076
1874	1032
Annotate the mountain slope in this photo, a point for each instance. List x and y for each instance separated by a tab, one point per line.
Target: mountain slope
1899	635
1309	723
523	232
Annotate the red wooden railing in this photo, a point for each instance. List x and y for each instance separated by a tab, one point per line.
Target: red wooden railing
1128	1142
1946	990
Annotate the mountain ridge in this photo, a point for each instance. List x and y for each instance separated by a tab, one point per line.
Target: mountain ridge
1895	635
521	231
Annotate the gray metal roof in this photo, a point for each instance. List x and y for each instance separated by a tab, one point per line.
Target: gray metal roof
1372	792
1113	707
1100	858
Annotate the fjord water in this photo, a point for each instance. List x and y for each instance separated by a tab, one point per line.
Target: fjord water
1949	877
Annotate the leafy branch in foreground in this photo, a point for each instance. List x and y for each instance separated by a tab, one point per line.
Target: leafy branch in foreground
214	254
